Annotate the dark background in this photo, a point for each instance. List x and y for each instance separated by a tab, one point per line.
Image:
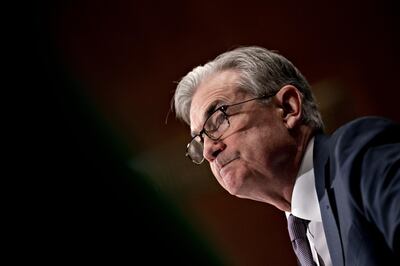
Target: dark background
110	173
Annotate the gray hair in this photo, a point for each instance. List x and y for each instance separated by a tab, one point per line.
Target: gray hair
262	72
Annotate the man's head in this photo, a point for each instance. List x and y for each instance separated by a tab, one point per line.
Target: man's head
251	109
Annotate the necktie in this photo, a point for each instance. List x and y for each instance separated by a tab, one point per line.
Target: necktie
298	235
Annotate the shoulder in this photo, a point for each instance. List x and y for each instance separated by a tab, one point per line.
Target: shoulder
369	125
364	132
356	137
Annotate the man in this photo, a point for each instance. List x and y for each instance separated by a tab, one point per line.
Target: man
254	119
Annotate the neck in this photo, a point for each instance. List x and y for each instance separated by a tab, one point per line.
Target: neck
303	136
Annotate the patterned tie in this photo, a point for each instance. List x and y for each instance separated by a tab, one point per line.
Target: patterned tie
298	235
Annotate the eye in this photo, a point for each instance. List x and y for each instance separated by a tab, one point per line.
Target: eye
215	121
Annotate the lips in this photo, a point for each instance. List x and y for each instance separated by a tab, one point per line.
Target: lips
221	163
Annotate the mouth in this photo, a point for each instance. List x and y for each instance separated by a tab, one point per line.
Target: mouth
220	165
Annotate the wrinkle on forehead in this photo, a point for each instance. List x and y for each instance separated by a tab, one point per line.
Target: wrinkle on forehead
221	87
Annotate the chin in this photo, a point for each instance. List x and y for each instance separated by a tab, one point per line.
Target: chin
232	183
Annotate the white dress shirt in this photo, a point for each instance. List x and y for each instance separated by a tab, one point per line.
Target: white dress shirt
305	205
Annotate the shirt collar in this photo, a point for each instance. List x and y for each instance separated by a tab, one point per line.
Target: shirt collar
304	197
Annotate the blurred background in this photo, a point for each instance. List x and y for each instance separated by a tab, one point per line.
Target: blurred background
106	72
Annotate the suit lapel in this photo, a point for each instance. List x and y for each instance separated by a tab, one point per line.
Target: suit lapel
325	198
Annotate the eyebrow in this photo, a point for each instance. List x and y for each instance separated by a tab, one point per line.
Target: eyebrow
210	109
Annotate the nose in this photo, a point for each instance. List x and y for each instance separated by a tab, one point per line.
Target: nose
212	148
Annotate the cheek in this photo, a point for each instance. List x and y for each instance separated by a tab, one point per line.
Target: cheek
255	142
258	149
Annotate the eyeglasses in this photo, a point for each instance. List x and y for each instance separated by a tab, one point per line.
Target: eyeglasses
214	127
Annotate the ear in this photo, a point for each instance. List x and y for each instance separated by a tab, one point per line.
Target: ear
290	100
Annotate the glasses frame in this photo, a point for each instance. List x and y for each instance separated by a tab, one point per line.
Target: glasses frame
223	109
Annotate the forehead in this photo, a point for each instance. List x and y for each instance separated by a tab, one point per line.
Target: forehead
219	88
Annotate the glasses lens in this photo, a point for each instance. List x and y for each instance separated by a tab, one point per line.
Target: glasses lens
195	150
216	125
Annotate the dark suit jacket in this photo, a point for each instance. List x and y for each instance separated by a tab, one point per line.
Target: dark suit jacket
357	177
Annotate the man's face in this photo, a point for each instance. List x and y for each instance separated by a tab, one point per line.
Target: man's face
253	158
